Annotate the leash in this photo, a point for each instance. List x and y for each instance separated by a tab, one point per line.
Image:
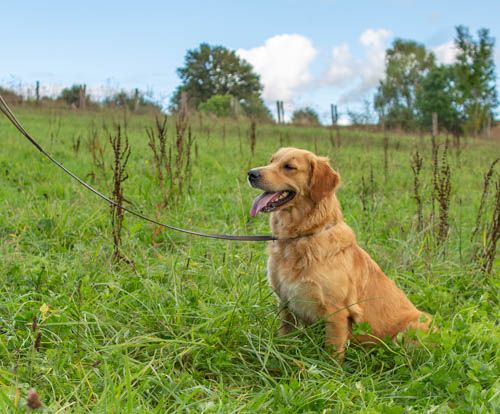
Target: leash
4	108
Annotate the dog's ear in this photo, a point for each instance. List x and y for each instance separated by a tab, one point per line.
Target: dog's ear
323	179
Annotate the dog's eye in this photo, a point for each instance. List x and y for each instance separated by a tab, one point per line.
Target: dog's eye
289	167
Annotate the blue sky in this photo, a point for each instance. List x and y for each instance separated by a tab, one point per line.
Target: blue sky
312	52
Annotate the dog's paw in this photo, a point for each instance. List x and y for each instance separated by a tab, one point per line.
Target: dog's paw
285	329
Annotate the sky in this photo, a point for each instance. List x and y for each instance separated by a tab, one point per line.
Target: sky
307	53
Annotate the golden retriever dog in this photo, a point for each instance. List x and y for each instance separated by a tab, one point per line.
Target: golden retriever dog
317	269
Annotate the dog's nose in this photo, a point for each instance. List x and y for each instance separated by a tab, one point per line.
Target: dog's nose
253	175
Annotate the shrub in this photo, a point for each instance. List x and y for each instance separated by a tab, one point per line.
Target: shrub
219	105
10	96
131	101
71	95
305	116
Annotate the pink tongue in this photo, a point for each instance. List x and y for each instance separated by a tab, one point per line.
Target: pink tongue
260	202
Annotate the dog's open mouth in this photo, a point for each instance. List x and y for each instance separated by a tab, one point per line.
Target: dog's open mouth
268	202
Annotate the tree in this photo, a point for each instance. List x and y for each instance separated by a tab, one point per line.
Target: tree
71	95
120	99
305	116
475	77
255	108
438	93
407	63
215	70
131	101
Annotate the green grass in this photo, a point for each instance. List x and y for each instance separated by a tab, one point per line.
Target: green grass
193	327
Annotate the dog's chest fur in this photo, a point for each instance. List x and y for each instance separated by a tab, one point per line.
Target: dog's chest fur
300	274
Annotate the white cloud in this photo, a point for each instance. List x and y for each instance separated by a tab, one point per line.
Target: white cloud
283	63
373	64
358	76
446	53
374	39
342	67
344	120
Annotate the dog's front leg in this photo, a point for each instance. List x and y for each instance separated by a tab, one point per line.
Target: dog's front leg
337	330
288	321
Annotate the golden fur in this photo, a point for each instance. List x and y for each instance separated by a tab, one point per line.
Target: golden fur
325	274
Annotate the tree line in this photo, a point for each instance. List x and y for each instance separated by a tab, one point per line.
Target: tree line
462	94
214	79
76	96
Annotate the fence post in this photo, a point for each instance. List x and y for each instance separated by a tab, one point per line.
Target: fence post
335	121
435	127
184	103
83	90
136	99
333	110
37	91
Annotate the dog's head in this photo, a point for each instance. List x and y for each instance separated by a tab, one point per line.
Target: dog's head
292	176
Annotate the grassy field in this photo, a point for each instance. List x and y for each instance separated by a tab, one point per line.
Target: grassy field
191	327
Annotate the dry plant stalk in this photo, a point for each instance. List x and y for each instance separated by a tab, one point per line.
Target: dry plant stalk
96	150
339	141
442	191
38	339
75	143
435	172
158	144
458	146
386	156
487	254
367	192
484	197
253	135
240	144
416	166
181	175
121	154
172	160
363	194
492	234
330	136
54	128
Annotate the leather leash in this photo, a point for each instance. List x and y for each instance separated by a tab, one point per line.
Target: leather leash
4	108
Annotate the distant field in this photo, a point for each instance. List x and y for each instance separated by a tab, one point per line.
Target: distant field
192	327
